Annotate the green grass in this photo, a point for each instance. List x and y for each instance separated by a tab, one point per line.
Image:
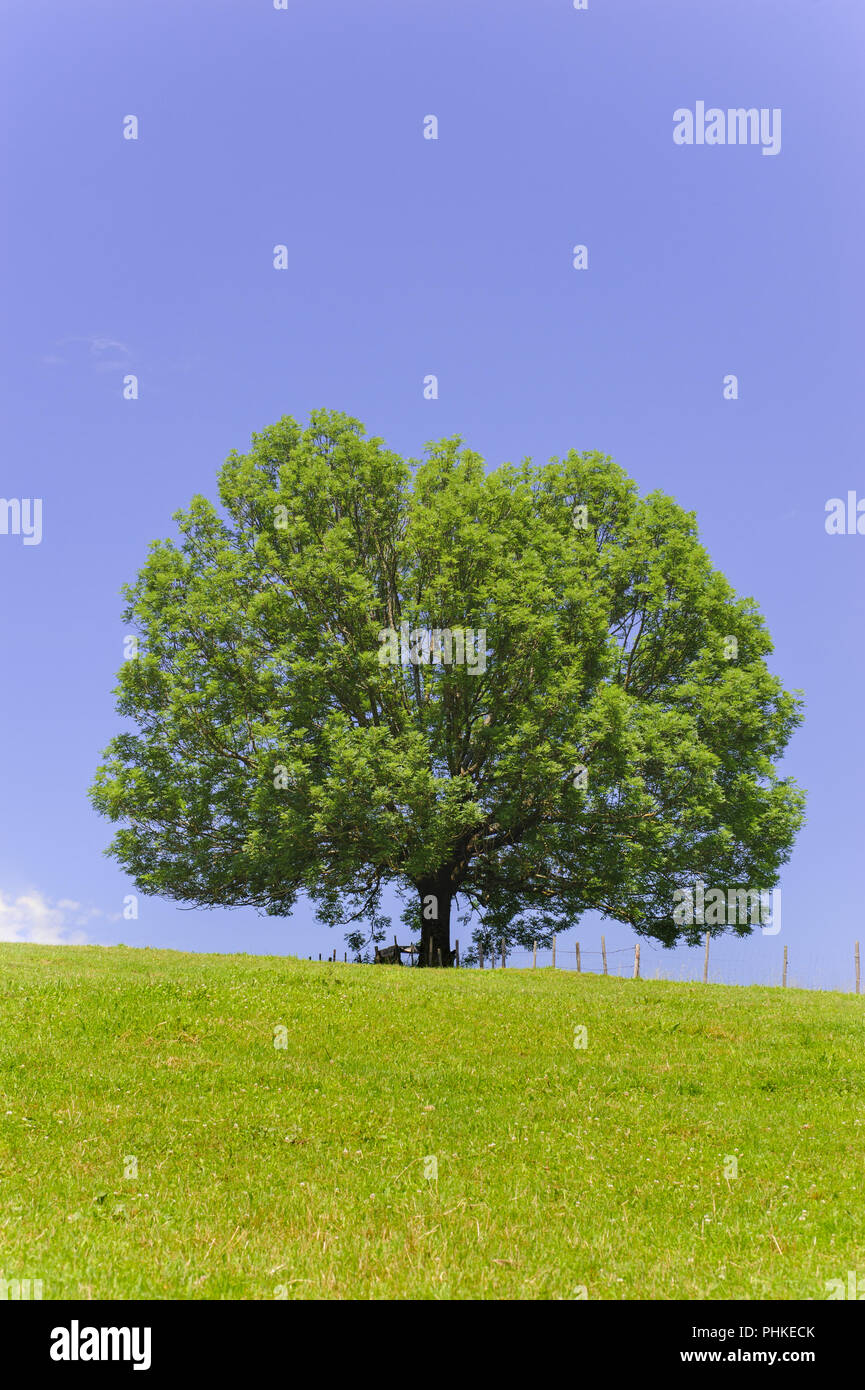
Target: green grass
299	1171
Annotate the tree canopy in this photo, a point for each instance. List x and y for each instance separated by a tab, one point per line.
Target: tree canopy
524	691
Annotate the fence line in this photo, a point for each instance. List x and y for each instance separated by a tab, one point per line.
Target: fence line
578	952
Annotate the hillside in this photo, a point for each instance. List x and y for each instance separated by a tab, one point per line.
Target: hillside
299	1170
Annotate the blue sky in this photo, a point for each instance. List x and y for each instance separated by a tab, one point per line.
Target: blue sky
409	256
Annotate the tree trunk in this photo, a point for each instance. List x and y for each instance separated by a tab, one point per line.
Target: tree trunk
435	916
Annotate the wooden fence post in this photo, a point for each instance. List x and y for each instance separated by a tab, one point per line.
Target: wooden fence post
637	961
503	953
578	958
457	956
439	953
534	955
706	962
554	952
784	976
480	957
857	967
604	953
430	952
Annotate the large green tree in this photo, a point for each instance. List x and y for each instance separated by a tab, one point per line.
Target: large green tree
609	737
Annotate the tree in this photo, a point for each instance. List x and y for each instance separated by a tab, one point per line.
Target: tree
525	691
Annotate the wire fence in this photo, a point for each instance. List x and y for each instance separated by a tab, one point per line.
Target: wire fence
717	967
624	962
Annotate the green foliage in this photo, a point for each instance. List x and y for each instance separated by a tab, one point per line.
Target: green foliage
274	753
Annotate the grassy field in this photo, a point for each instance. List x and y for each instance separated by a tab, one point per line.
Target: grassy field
157	1141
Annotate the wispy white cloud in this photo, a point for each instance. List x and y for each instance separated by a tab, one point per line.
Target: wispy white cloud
33	917
103	352
100	345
